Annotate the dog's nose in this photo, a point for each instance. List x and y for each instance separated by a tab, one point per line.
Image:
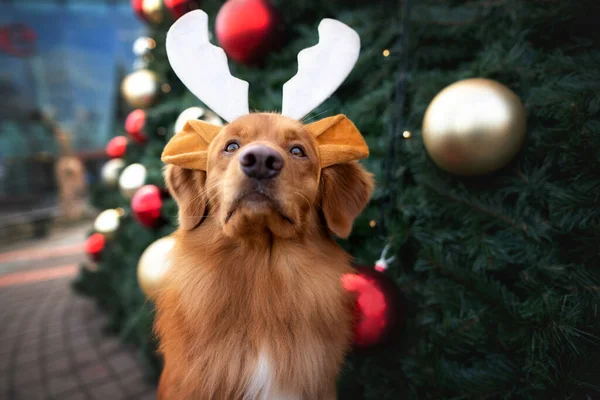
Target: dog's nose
260	162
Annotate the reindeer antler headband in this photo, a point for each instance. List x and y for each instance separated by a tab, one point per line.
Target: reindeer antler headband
202	67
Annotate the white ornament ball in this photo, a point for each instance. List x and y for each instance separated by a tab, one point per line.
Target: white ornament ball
143	45
195	113
212	118
186	115
107	222
111	170
132	178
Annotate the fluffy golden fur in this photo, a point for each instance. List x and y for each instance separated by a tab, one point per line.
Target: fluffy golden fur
255	268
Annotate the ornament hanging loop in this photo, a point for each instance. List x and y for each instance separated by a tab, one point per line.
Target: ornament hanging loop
382	264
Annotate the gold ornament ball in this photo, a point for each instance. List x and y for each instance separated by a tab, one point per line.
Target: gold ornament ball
107	222
111	170
153	10
474	126
140	88
153	265
132	178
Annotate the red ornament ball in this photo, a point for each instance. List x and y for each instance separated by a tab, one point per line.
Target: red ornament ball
248	29
116	147
94	246
137	6
177	8
146	205
134	125
376	305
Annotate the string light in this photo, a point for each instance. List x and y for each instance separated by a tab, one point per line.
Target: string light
406	134
151	43
397	122
166	87
372	224
386	53
120	211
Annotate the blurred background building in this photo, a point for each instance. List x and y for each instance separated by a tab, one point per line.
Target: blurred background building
61	63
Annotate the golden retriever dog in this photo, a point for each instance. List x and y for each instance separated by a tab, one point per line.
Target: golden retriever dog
253	306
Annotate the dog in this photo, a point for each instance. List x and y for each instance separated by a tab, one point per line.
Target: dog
253	306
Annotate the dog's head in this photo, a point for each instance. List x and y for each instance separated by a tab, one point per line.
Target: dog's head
266	172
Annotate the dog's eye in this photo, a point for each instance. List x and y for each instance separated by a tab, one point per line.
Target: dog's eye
297	151
231	147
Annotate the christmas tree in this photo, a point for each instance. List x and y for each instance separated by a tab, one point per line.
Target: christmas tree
499	273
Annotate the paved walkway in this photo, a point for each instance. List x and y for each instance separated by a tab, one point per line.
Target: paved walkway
51	341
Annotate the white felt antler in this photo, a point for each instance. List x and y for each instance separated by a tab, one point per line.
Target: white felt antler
203	67
321	69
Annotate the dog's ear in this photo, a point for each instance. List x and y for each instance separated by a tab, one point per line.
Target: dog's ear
345	191
339	141
187	186
346	186
189	148
185	177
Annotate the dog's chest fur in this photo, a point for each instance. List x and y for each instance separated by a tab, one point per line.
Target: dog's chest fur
262	384
248	324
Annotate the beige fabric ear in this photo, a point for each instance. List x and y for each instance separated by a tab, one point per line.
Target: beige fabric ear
187	186
339	141
345	192
189	148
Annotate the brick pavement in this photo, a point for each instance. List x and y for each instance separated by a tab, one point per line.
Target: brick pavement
52	344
